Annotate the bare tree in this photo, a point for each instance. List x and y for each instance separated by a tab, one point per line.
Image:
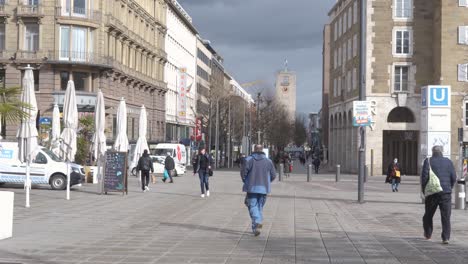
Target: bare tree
300	130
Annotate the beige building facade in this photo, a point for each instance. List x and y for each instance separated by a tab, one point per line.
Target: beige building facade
116	46
409	44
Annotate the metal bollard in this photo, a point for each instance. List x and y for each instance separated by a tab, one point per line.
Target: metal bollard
280	174
366	173
309	172
460	200
338	173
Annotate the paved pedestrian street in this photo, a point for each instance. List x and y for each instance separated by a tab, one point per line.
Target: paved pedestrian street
305	222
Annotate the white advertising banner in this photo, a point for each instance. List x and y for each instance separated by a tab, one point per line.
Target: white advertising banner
182	95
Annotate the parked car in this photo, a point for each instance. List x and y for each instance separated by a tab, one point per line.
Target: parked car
46	168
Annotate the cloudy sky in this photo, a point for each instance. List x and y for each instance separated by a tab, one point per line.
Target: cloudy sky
256	36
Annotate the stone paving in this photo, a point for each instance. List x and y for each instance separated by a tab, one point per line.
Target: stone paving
305	222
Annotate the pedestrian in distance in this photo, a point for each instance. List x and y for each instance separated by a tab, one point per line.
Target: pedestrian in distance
202	165
442	168
394	175
316	164
145	165
257	174
169	167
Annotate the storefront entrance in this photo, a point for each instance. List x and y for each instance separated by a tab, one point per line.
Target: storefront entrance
404	146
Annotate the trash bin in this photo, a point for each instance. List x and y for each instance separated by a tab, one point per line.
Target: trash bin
6	214
460	196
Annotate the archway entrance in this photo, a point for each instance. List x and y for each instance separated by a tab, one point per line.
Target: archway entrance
402	145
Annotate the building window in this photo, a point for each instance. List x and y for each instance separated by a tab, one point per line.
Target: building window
335	87
339	56
463	3
401	78
64	77
203	74
463	72
36	79
335	59
466	113
348	81
81	80
345	22
31	38
402	42
403	9
355	12
350	47
463	35
74	7
340	26
344	52
339	86
335	30
75	43
355	46
350	17
2	36
354	81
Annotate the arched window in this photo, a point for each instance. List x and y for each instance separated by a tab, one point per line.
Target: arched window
400	115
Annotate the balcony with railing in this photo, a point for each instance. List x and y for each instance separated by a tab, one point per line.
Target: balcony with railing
80	14
30	56
77	57
30	11
3	6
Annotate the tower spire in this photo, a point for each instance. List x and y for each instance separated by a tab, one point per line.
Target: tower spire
286	65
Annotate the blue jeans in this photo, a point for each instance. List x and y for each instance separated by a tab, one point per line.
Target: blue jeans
255	203
204	183
395	184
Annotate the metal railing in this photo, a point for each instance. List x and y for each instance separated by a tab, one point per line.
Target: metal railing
30	55
30	10
2	8
77	57
78	13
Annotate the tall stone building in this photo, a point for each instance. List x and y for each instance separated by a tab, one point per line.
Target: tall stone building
116	46
409	44
286	91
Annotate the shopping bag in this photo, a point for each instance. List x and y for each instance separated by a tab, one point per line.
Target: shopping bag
433	185
166	174
397	173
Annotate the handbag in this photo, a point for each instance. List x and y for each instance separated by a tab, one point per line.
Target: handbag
397	173
166	174
433	185
210	172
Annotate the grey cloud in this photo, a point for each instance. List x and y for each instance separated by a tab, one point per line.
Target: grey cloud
256	36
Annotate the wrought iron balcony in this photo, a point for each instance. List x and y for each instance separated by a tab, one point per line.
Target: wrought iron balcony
77	57
30	11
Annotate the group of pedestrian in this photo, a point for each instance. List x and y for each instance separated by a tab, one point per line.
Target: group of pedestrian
145	166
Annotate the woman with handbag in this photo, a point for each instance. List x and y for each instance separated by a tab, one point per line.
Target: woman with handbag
202	165
394	175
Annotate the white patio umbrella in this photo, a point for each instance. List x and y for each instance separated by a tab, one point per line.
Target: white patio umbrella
99	140
27	132
55	142
121	142
141	144
68	136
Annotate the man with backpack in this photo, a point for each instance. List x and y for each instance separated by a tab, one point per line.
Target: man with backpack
257	174
169	166
145	164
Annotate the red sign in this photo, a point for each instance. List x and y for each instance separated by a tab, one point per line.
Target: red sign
198	129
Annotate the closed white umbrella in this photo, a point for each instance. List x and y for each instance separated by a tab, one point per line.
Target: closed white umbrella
99	140
121	142
55	142
70	122
141	144
27	132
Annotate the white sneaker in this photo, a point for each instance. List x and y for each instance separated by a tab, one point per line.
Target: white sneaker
207	193
146	188
202	195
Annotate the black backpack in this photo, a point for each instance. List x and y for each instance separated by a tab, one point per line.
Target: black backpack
146	166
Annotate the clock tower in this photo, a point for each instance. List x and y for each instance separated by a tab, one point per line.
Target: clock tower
286	90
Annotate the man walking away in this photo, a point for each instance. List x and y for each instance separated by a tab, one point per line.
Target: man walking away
316	163
145	164
257	174
169	166
444	170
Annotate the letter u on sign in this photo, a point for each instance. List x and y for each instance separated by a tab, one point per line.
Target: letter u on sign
439	96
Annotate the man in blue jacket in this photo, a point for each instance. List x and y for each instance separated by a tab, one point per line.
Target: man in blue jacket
444	170
257	173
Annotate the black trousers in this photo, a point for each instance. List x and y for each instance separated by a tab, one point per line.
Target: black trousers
444	202
144	179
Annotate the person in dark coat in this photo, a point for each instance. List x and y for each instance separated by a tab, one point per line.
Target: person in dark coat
316	163
169	166
394	175
145	164
202	165
444	170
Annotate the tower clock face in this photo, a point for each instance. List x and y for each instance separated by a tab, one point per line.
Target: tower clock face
285	89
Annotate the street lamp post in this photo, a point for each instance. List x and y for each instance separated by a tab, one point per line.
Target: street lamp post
362	97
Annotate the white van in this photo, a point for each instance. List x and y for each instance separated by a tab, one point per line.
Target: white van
46	168
178	153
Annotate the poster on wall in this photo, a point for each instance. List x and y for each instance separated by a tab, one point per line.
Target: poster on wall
182	95
362	115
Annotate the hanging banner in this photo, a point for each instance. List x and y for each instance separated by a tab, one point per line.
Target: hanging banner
182	95
362	115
